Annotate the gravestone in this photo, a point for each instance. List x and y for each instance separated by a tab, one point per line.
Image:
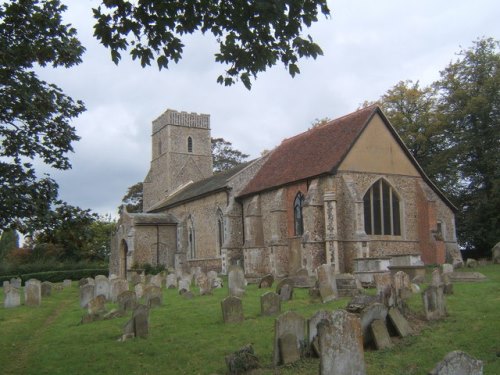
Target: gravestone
267	281
236	281
399	322
117	286
402	289
495	253
153	296
385	290
184	285
347	285
66	283
471	263
434	302
436	280
102	286
212	275
288	323
326	282
458	363
32	293
270	304
466	276
112	277
359	302
171	281
232	310
195	272
86	294
217	283
313	329
205	284
16	282
46	290
138	325
285	292
6	285
447	268
290	350
301	279
341	345
12	297
135	278
375	311
242	361
139	290
96	305
127	301
448	285
380	334
156	280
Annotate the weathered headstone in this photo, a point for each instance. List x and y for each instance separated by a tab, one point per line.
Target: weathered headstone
267	281
458	363
156	280
184	285
32	293
375	311
153	296
327	283
242	361
102	286
285	291
399	322
434	302
288	323
385	290
217	283
139	290
204	284
12	297
134	277
471	263
313	328
66	283
232	310
347	285
171	281
270	304
96	309
127	301
402	289
138	326
437	280
236	281
117	286
341	345
301	279
6	285
16	282
86	294
290	350
359	302
380	334
495	253
46	289
447	268
448	285
113	276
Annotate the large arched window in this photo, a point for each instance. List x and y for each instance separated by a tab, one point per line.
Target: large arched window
297	214
382	212
190	144
220	230
191	239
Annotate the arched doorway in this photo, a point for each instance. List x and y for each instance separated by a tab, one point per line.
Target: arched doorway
123	259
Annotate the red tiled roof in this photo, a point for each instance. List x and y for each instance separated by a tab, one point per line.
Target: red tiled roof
313	153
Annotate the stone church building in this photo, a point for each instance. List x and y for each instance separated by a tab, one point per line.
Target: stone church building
339	192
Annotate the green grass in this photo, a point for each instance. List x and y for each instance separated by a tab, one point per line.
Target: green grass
188	336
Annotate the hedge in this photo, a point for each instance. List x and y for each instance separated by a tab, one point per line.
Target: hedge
58	276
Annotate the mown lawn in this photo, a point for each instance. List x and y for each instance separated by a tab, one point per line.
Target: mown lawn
188	336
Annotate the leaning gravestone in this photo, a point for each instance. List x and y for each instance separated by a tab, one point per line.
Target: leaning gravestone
341	345
102	286
153	296
270	304
138	326
434	303
86	294
46	290
375	311
12	297
232	310
127	301
458	363
171	281
313	328
380	334
32	293
327	283
267	281
289	323
236	281
117	286
399	322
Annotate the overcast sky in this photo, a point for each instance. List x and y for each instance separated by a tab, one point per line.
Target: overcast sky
368	47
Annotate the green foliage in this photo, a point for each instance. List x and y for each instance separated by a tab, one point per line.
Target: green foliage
225	156
58	276
9	240
133	200
35	117
252	35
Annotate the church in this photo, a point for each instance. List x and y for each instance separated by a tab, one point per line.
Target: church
339	192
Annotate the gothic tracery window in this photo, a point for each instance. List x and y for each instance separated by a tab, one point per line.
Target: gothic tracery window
381	210
297	214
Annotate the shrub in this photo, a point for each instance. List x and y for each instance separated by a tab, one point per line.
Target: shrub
58	276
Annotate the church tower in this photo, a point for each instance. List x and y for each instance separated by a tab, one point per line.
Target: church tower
181	152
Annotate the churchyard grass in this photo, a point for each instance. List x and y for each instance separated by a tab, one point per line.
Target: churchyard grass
189	337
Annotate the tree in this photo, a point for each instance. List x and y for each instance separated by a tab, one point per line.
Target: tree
35	116
252	35
225	156
133	199
469	102
9	240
